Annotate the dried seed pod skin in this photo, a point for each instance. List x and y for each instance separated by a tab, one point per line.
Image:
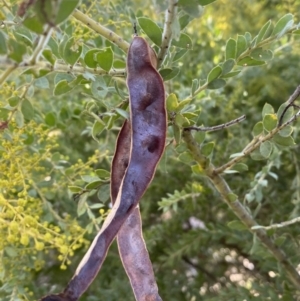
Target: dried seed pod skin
132	247
148	133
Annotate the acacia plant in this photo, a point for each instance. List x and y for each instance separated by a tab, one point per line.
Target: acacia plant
87	110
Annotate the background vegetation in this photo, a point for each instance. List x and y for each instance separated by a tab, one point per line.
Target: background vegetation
58	127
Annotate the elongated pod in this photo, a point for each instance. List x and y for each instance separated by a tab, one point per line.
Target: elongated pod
132	247
148	133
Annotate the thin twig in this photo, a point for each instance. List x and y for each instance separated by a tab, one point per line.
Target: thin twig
167	33
254	146
103	31
280	225
217	127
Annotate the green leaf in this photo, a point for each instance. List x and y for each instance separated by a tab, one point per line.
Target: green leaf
240	167
16	50
71	52
191	7
4	113
14	101
93	185
262	55
81	207
102	173
286	131
287	115
267	109
195	85
206	149
181	121
169	73
104	193
198	170
97	206
248	61
283	25
262	32
214	73
98	128
61	88
89	58
184	42
89	178
270	122
179	54
236	225
256	155
42	83
3	47
66	8
122	113
19	118
172	102
230	52
99	88
199	136
258	128
50	119
34	24
177	133
241	45
105	58
151	29
118	64
266	149
182	104
186	157
75	189
27	109
227	66
231	74
283	141
216	84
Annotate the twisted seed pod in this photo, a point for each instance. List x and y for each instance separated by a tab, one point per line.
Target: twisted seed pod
132	248
148	133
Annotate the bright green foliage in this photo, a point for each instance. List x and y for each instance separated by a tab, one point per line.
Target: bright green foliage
62	103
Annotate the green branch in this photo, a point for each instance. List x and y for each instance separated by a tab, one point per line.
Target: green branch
240	211
103	31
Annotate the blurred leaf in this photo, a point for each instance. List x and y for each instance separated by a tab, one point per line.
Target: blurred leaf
34	24
177	133
262	55
172	102
230	51
266	149
61	88
241	45
216	84
151	29
185	157
98	128
65	9
89	58
262	32
287	115
240	167
206	149
3	47
248	61
258	128
184	42
19	118
236	225
105	58
214	73
27	109
71	55
169	73
102	173
205	2
231	74
270	122
283	25
286	131
283	141
93	185
191	7
104	193
227	66
267	109
81	207
50	119
14	101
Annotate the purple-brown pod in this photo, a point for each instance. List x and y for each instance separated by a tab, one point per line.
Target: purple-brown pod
148	133
131	244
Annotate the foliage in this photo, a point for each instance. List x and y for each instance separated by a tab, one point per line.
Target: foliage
63	99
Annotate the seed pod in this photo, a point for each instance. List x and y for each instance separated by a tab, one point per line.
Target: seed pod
132	248
148	133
